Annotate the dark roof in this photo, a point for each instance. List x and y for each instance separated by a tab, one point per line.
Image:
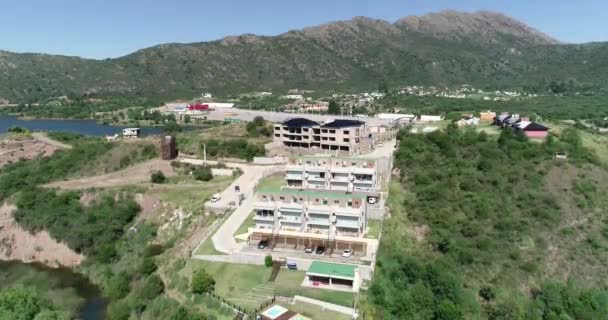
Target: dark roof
342	123
300	122
535	127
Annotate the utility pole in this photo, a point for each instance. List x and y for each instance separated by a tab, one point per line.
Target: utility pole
205	154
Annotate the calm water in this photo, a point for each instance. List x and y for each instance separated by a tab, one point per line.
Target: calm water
94	306
85	127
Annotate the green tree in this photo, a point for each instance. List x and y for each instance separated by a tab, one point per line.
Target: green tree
153	287
18	304
202	282
268	261
172	127
333	108
118	286
158	177
118	310
187	119
202	173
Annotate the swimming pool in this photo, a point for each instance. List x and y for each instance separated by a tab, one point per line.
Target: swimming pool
274	312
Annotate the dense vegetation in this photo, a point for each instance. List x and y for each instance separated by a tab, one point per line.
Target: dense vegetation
484	223
120	256
542	107
360	54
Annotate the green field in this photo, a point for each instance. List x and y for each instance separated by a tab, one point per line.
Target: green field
272	183
314	312
248	285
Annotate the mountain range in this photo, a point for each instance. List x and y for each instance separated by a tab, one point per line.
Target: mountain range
483	49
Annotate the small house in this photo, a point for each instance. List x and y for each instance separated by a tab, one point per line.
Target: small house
535	131
467	121
131	132
487	116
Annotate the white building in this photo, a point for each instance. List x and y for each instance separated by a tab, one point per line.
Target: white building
428	118
131	132
293	96
219	105
394	116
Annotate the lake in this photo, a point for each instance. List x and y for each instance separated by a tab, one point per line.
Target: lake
94	305
84	127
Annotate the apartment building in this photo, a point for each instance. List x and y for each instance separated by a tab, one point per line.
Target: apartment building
325	213
334	174
341	135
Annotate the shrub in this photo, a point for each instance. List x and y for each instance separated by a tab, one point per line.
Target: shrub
202	282
202	173
268	261
487	293
158	177
153	250
153	287
148	266
118	310
118	286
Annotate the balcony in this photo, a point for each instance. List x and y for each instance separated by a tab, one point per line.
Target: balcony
290	207
363	170
263	218
350	224
340	178
319	222
319	209
264	205
347	211
315	178
293	176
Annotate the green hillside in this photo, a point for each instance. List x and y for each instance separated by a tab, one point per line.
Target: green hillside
483	49
494	228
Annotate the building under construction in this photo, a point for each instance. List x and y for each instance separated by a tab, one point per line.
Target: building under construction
168	148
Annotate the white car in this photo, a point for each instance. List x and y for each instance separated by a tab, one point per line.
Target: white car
216	197
347	253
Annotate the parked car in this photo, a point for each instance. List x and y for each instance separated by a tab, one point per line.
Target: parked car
292	265
347	253
320	250
263	244
309	250
216	197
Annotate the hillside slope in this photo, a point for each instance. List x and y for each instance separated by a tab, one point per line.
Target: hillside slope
448	48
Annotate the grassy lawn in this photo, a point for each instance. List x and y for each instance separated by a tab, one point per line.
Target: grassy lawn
244	285
246	225
272	183
207	248
598	143
314	312
373	229
288	283
248	286
488	128
190	195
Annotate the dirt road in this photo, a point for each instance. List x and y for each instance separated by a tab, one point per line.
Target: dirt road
136	174
42	137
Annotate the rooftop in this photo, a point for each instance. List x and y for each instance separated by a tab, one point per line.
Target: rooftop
300	122
343	123
334	270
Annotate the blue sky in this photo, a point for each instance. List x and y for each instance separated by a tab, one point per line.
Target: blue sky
111	28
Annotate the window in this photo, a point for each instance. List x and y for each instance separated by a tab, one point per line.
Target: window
282	198
264	197
301	199
305	129
325	201
346	140
336	201
332	139
278	135
346	132
354	164
324	131
349	203
317	200
332	131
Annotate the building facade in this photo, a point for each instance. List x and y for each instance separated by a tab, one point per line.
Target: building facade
334	174
337	135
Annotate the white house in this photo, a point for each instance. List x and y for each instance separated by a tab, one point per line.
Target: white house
426	118
131	132
220	105
468	121
394	116
293	96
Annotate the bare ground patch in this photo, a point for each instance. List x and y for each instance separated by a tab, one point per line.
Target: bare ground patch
18	244
16	148
133	175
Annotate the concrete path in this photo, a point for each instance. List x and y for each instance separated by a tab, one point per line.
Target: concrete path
325	305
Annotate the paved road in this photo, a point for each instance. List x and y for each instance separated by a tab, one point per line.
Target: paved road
248	115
